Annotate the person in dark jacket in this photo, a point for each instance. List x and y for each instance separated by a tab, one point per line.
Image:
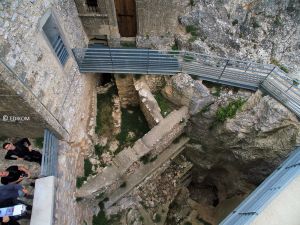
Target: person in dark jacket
13	220
14	174
13	191
22	149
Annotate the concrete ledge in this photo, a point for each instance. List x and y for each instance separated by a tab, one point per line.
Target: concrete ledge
43	202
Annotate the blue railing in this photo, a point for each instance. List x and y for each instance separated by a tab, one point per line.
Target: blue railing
259	199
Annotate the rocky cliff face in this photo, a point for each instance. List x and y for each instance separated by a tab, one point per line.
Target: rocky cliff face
259	30
233	152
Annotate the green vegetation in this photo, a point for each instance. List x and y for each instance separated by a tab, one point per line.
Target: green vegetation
157	218
99	150
123	185
191	29
148	158
104	121
133	121
278	21
175	47
217	91
138	76
230	110
101	219
277	63
188	223
128	44
192	39
79	199
87	171
188	58
164	105
39	142
192	3
204	222
235	22
255	24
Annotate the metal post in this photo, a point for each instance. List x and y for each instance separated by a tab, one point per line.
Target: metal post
223	69
269	74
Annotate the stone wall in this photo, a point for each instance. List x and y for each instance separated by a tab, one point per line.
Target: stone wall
148	104
44	85
126	90
154	142
99	22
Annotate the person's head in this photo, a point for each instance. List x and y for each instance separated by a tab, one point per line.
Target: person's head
8	146
3	173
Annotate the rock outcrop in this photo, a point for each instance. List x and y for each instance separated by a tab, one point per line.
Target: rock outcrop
262	31
181	89
233	155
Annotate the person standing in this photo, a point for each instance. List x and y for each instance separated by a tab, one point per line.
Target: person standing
22	149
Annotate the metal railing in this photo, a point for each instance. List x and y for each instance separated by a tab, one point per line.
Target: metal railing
259	199
244	74
50	155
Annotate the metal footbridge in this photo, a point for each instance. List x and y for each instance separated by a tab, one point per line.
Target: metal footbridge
243	74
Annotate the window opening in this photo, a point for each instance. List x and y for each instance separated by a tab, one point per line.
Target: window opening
52	32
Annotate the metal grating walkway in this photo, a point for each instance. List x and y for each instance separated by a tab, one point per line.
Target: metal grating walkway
50	155
259	199
243	74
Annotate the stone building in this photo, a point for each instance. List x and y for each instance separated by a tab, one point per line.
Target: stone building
40	81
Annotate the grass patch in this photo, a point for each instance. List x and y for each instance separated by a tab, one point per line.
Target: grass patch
217	91
104	121
230	110
235	22
128	44
99	150
192	39
123	185
164	105
191	29
87	171
188	58
101	219
133	120
277	63
39	142
157	218
175	47
148	158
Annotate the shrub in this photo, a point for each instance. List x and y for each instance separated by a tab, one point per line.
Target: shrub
277	63
39	142
235	22
192	3
132	120
157	218
191	29
104	121
164	105
123	185
148	158
87	171
99	150
229	111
